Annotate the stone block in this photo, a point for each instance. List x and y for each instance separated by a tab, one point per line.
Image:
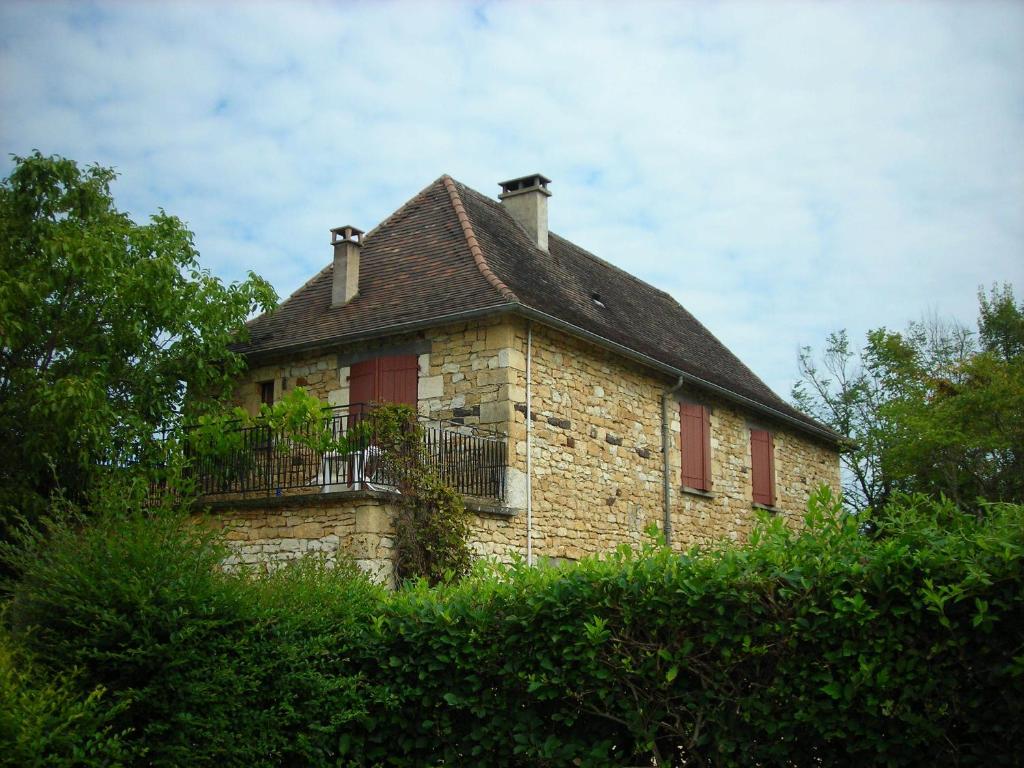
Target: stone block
372	518
309	530
430	387
515	488
513	392
364	545
380	570
496	412
511	358
499	336
495	376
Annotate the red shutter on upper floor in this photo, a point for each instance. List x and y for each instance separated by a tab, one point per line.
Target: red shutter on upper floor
383	380
396	379
695	443
762	466
362	379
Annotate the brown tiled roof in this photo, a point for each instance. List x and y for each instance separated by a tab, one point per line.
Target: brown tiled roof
451	252
416	266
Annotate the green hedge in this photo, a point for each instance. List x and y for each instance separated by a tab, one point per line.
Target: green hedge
818	647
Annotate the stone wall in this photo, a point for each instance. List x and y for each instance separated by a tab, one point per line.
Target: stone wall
597	460
596	437
464	372
317	374
271	532
727	511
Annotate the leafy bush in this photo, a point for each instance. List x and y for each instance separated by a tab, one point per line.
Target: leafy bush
821	646
50	723
198	664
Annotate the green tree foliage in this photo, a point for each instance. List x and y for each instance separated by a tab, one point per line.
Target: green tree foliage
108	329
936	409
816	646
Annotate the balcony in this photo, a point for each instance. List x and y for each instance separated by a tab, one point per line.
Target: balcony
259	463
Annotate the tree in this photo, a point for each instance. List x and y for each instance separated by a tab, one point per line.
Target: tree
937	408
108	330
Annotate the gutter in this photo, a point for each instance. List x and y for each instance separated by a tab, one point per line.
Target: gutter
689	378
529	313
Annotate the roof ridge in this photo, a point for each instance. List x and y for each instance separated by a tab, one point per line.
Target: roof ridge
330	265
473	243
580	248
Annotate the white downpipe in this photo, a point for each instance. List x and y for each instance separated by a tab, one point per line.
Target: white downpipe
529	443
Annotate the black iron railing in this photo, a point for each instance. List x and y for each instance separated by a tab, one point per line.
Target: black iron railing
258	461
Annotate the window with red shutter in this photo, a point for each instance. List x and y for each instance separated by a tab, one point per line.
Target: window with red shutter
396	379
362	382
383	380
762	466
695	443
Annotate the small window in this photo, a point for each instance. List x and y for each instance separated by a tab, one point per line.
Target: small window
267	392
762	466
695	442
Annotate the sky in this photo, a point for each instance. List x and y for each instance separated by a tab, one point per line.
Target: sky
783	169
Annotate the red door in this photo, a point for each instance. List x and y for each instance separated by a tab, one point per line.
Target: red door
396	380
383	380
362	382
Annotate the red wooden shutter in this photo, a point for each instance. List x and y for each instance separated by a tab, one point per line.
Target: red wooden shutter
396	379
383	380
695	425
762	466
362	380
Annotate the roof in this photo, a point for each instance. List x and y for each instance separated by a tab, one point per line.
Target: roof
452	252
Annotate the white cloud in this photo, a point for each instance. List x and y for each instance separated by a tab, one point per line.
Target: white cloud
782	168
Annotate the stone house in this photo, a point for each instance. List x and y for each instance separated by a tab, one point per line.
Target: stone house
601	405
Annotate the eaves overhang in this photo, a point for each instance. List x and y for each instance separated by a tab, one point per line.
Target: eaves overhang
529	313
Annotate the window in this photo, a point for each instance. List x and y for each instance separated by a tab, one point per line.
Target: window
762	466
266	392
695	442
383	380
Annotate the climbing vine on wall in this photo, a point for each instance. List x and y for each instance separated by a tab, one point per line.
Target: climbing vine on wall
431	523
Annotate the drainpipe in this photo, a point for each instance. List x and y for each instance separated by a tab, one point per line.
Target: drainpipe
529	443
665	469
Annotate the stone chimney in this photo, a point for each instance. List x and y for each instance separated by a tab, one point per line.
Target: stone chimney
347	242
526	198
